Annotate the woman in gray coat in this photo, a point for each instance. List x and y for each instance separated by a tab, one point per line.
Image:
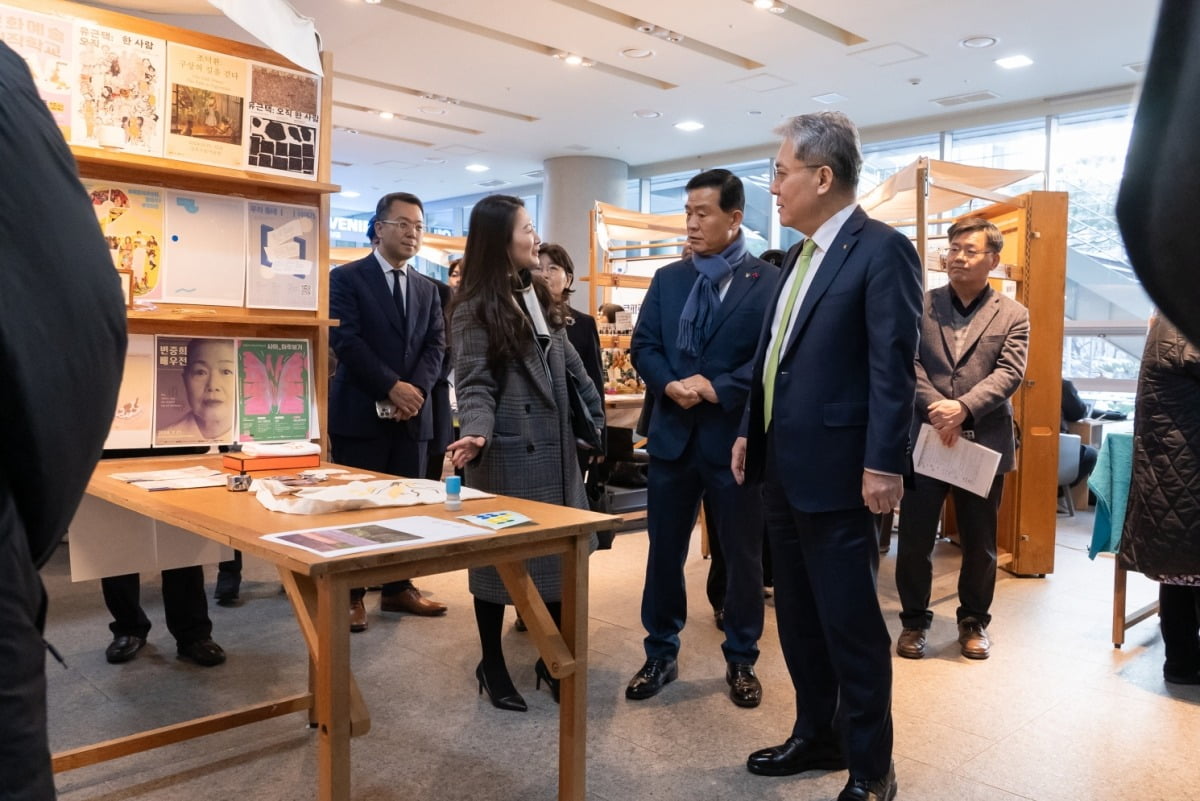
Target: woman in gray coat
511	361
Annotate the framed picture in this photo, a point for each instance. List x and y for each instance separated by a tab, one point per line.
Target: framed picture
126	277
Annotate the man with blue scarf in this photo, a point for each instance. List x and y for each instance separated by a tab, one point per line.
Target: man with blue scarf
694	346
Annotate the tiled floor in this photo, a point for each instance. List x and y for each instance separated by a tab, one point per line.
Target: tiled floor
1056	713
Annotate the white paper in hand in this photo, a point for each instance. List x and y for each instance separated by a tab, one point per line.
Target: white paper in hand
965	464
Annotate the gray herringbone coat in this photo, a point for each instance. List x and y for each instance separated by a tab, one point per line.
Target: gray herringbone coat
524	417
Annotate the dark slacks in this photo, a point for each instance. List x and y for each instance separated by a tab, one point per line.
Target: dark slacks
184	605
714	585
831	629
673	491
976	516
397	455
25	773
1179	615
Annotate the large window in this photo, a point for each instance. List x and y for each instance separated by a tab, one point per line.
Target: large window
883	159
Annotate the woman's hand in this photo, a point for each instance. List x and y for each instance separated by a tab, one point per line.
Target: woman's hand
464	450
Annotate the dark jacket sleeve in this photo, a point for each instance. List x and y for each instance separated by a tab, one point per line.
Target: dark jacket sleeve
1073	407
62	318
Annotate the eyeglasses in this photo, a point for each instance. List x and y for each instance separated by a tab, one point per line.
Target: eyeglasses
953	252
777	175
404	226
549	268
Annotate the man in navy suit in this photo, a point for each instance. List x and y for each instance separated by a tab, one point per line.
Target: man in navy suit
693	346
390	343
827	428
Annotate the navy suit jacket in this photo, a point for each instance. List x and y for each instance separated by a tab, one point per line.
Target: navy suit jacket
373	351
725	359
845	384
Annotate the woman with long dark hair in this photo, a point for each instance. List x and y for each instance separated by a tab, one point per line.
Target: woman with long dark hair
513	364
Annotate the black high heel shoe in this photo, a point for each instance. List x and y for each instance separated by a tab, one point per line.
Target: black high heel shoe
543	674
511	701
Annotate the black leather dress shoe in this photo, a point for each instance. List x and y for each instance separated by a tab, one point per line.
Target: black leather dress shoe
877	790
654	675
744	687
123	648
205	653
796	756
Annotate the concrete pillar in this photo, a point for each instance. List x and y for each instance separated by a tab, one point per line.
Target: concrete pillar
572	184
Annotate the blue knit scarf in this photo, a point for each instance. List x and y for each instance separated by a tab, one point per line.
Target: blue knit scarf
705	298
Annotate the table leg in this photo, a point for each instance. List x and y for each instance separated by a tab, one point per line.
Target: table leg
302	592
572	713
333	690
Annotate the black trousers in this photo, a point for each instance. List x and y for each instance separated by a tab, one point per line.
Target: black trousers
831	630
396	455
976	516
25	773
184	604
1179	615
674	488
714	585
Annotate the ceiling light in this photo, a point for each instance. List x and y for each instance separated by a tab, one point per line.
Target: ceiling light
572	60
477	168
348	193
372	2
642	26
1014	62
773	6
647	114
637	52
386	115
978	42
689	125
830	98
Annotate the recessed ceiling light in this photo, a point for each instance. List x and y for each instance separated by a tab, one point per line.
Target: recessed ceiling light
348	193
386	115
372	2
647	114
830	98
978	42
637	52
689	125
477	168
1014	62
431	110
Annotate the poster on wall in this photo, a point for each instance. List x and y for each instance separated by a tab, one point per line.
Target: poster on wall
131	218
281	265
284	110
132	425
208	105
46	45
206	249
274	376
196	390
118	100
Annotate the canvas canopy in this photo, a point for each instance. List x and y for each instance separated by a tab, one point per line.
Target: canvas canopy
950	185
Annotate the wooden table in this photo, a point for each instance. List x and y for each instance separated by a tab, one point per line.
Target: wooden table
319	589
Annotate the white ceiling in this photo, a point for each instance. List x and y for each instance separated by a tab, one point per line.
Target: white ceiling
489	54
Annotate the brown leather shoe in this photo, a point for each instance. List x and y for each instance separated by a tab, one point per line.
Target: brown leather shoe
410	601
973	638
358	616
911	644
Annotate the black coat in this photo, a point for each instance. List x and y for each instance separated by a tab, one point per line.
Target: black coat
1162	522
